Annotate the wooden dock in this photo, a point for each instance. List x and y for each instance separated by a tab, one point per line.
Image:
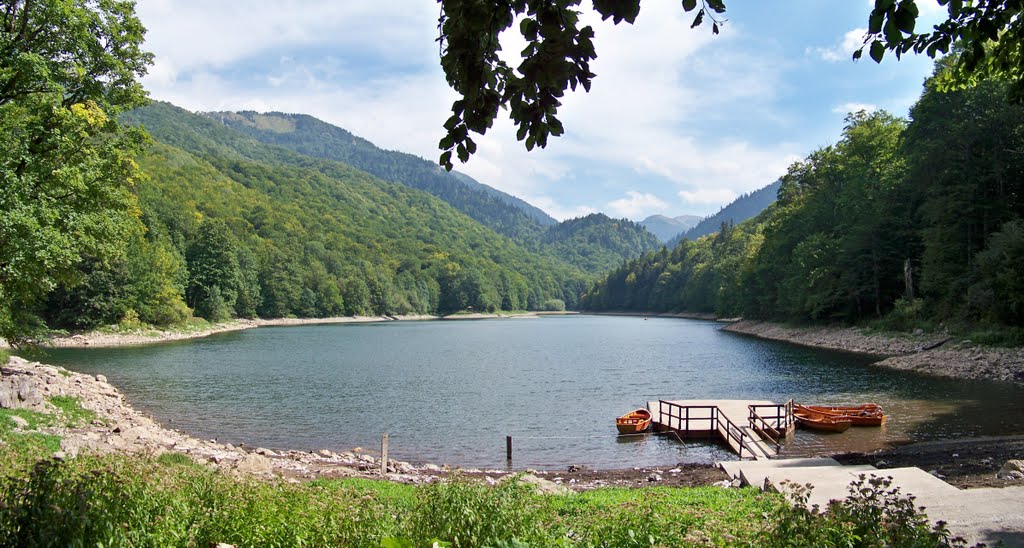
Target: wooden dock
751	428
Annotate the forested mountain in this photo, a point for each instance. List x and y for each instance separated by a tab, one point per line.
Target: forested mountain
597	243
307	135
238	227
737	211
505	214
667	228
913	223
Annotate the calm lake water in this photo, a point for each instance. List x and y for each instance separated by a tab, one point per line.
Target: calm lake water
450	391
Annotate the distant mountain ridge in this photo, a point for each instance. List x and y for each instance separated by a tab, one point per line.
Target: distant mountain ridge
737	211
310	136
666	228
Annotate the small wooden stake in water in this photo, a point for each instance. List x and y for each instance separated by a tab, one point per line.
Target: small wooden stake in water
384	454
508	448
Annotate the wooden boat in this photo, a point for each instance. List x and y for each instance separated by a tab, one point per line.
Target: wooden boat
820	421
868	414
634	421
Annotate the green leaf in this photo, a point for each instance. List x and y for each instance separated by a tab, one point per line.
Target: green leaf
689	5
698	20
893	35
877	51
875	22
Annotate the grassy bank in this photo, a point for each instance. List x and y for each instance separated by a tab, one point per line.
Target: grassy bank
171	500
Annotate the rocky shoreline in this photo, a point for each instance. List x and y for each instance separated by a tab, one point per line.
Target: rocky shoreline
120	428
922	353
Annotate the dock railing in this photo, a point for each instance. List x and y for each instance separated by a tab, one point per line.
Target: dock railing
679	417
773	422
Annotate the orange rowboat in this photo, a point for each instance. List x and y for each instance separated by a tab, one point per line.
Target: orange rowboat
820	421
868	414
634	422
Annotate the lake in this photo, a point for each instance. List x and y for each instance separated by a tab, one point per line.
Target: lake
450	391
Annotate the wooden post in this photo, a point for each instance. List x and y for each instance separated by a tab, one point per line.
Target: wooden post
384	454
508	448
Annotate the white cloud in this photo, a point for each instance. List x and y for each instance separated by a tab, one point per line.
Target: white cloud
847	108
842	51
708	196
637	205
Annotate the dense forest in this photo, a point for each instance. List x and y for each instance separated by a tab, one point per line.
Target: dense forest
234	227
911	222
307	135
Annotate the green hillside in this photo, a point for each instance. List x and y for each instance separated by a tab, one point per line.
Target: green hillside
594	245
598	243
238	227
312	137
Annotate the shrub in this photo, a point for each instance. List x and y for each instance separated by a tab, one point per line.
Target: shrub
553	305
874	514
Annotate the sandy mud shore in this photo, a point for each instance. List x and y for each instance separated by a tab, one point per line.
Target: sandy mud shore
924	353
152	335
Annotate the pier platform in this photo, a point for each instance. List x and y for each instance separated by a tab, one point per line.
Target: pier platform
751	428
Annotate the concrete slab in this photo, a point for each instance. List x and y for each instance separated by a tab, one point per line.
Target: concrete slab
829	482
988	515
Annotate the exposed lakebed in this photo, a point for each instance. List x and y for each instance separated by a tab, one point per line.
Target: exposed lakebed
449	392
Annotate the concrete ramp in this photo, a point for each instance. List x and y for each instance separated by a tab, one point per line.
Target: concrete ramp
989	515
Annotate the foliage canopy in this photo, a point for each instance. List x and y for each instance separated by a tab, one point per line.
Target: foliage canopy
67	173
990	35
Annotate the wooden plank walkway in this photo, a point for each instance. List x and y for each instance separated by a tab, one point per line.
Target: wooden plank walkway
726	419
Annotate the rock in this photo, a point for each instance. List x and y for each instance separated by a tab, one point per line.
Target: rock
881	464
675	470
254	464
431	468
60	456
101	378
265	452
725	484
543	486
1012	470
918	332
736	483
327	453
19	392
654	477
19	422
936	474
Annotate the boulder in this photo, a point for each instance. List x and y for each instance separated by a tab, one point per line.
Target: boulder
18	392
19	422
1012	470
542	485
254	464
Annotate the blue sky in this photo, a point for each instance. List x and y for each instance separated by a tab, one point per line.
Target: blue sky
678	121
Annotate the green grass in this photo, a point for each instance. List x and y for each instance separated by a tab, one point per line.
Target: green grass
5	355
71	411
134	501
